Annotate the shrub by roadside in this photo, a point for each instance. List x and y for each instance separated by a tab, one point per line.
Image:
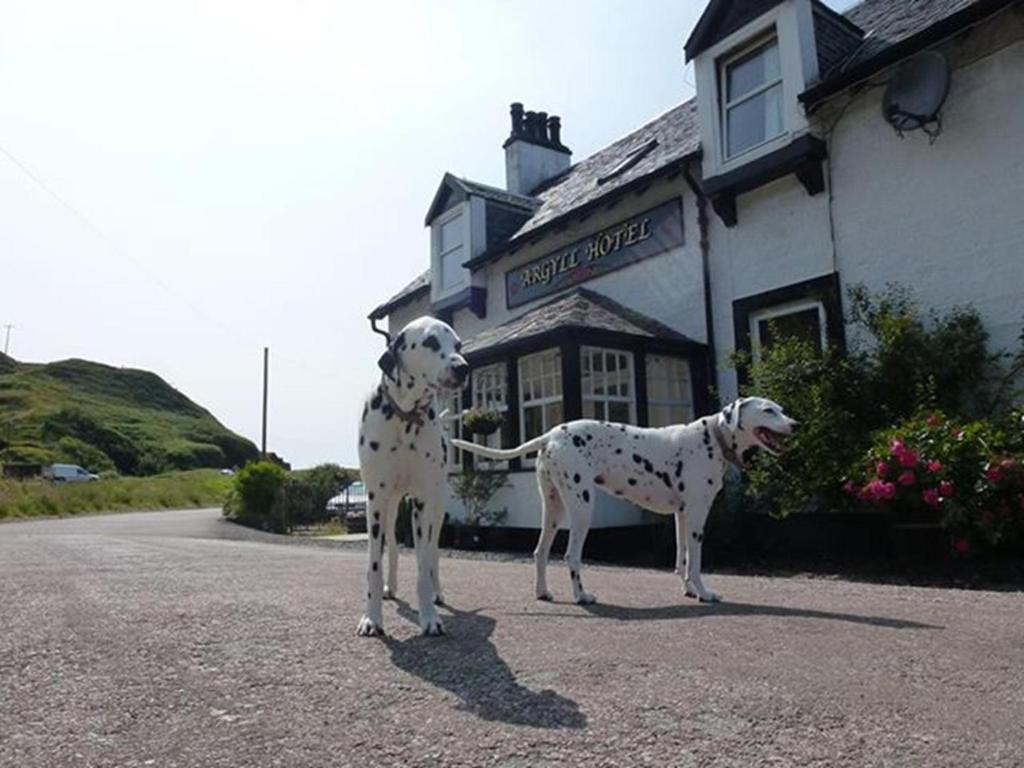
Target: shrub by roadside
34	498
266	496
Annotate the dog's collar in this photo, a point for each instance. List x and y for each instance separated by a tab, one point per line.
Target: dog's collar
728	452
413	416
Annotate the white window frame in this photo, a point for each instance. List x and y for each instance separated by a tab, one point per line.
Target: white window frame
781	310
452	428
670	402
630	400
542	401
445	220
724	63
491	380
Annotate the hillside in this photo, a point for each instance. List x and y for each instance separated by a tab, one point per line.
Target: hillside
108	418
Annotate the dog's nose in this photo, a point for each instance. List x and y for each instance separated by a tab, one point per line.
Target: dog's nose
460	371
794	426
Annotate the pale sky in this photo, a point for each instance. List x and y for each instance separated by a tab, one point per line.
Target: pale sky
256	173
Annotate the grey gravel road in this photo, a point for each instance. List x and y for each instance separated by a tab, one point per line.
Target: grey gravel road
175	639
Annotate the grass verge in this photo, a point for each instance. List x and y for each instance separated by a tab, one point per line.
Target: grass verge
172	490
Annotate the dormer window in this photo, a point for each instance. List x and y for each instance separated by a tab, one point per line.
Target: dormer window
451	253
752	97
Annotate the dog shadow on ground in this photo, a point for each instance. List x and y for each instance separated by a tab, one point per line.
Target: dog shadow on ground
693	610
466	663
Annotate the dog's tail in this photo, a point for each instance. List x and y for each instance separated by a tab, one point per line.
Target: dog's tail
499	454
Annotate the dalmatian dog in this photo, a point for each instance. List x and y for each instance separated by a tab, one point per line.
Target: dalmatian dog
676	470
402	454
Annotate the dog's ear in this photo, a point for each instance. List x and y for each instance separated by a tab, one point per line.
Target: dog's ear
734	413
387	363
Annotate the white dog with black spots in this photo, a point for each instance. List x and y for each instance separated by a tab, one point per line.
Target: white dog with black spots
403	454
676	470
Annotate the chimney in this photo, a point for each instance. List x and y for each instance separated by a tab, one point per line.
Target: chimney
534	151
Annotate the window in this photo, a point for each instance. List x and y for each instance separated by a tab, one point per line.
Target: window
450	248
752	98
607	385
540	393
802	320
490	392
669	391
452	426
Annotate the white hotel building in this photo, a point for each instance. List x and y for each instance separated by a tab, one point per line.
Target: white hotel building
618	286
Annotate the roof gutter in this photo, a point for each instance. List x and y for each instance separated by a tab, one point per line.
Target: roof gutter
509	246
972	14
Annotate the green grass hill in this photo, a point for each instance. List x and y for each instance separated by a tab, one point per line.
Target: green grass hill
106	418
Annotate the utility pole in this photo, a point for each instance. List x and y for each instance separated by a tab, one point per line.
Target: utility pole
266	367
7	337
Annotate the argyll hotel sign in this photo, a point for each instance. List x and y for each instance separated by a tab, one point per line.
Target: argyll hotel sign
640	237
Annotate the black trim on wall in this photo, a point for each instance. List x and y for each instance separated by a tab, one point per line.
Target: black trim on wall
640	385
474	297
825	289
801	156
572	385
510	433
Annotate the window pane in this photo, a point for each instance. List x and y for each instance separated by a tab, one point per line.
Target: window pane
752	71
533	422
618	412
755	120
451	234
804	324
553	414
451	268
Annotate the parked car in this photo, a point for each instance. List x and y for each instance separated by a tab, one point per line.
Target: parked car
68	473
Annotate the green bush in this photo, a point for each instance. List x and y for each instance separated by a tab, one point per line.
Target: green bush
71	422
75	451
475	489
183	454
897	366
257	488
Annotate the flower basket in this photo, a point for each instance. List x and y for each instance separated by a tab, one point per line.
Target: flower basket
482	422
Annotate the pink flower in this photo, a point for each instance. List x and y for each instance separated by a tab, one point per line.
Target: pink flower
931	497
946	489
886	491
1008	463
962	546
908	459
993	474
934	466
850	487
897	447
907	478
934	421
882	468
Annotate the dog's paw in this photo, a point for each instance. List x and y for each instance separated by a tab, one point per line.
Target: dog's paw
545	596
432	627
390	593
710	597
439	600
585	598
369	628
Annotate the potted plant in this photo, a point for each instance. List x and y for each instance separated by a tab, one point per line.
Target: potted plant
482	421
475	489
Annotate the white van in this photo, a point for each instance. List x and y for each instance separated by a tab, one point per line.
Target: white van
68	473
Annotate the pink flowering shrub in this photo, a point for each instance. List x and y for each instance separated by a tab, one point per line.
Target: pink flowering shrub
962	474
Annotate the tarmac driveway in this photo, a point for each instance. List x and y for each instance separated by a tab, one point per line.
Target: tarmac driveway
176	639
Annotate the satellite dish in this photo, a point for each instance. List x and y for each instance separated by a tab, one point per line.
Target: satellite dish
916	93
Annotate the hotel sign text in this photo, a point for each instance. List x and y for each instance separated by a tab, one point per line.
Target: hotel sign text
648	234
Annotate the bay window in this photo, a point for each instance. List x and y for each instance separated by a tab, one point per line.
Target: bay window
669	391
607	385
540	393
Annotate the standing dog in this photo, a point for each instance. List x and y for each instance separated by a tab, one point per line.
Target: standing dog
675	470
403	453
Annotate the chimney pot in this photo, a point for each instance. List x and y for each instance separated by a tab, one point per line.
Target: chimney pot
555	131
542	127
531	124
517	118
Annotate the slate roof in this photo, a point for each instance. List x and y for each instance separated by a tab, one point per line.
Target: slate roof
417	287
670	138
581	308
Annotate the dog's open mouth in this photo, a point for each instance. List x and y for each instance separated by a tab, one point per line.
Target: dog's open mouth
770	439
